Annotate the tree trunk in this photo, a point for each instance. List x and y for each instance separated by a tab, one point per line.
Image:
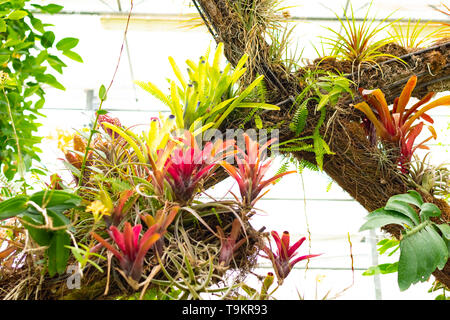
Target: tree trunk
360	169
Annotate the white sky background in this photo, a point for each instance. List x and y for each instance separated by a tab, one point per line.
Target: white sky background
331	215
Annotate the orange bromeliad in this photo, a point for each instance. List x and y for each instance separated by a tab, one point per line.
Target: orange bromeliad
397	125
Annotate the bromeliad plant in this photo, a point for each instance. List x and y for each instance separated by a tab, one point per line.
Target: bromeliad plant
424	244
283	260
132	247
252	165
229	245
188	165
398	125
209	95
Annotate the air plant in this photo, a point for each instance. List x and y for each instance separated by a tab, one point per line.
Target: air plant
282	259
445	11
131	250
397	125
429	178
413	35
356	43
229	244
252	165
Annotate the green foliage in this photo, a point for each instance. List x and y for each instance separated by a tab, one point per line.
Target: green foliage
413	35
424	245
83	254
209	94
438	286
26	52
356	42
42	214
325	88
385	268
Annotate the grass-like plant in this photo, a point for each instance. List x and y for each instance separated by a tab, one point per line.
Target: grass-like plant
357	42
413	35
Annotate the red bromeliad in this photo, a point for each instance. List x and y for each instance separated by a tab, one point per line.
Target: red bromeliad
281	260
396	125
108	119
132	250
228	244
252	165
188	165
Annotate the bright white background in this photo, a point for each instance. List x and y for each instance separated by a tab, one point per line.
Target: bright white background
157	30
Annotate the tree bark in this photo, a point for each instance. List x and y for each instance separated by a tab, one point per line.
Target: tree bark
360	169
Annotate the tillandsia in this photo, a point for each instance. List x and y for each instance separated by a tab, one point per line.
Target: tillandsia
284	259
358	43
252	165
132	247
430	178
398	124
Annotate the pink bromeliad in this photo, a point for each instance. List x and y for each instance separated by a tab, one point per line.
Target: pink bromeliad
188	165
282	259
252	166
132	250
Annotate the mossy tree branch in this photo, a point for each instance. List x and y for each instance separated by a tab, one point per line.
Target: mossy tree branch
359	169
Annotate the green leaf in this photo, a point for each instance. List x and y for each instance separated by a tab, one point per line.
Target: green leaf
387	244
17	15
47	39
323	101
37	24
58	253
67	43
2	25
56	200
51	80
42	236
428	210
421	252
56	63
440	246
403	208
258	122
384	268
445	229
12	207
407	265
412	197
73	55
102	93
382	217
50	8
